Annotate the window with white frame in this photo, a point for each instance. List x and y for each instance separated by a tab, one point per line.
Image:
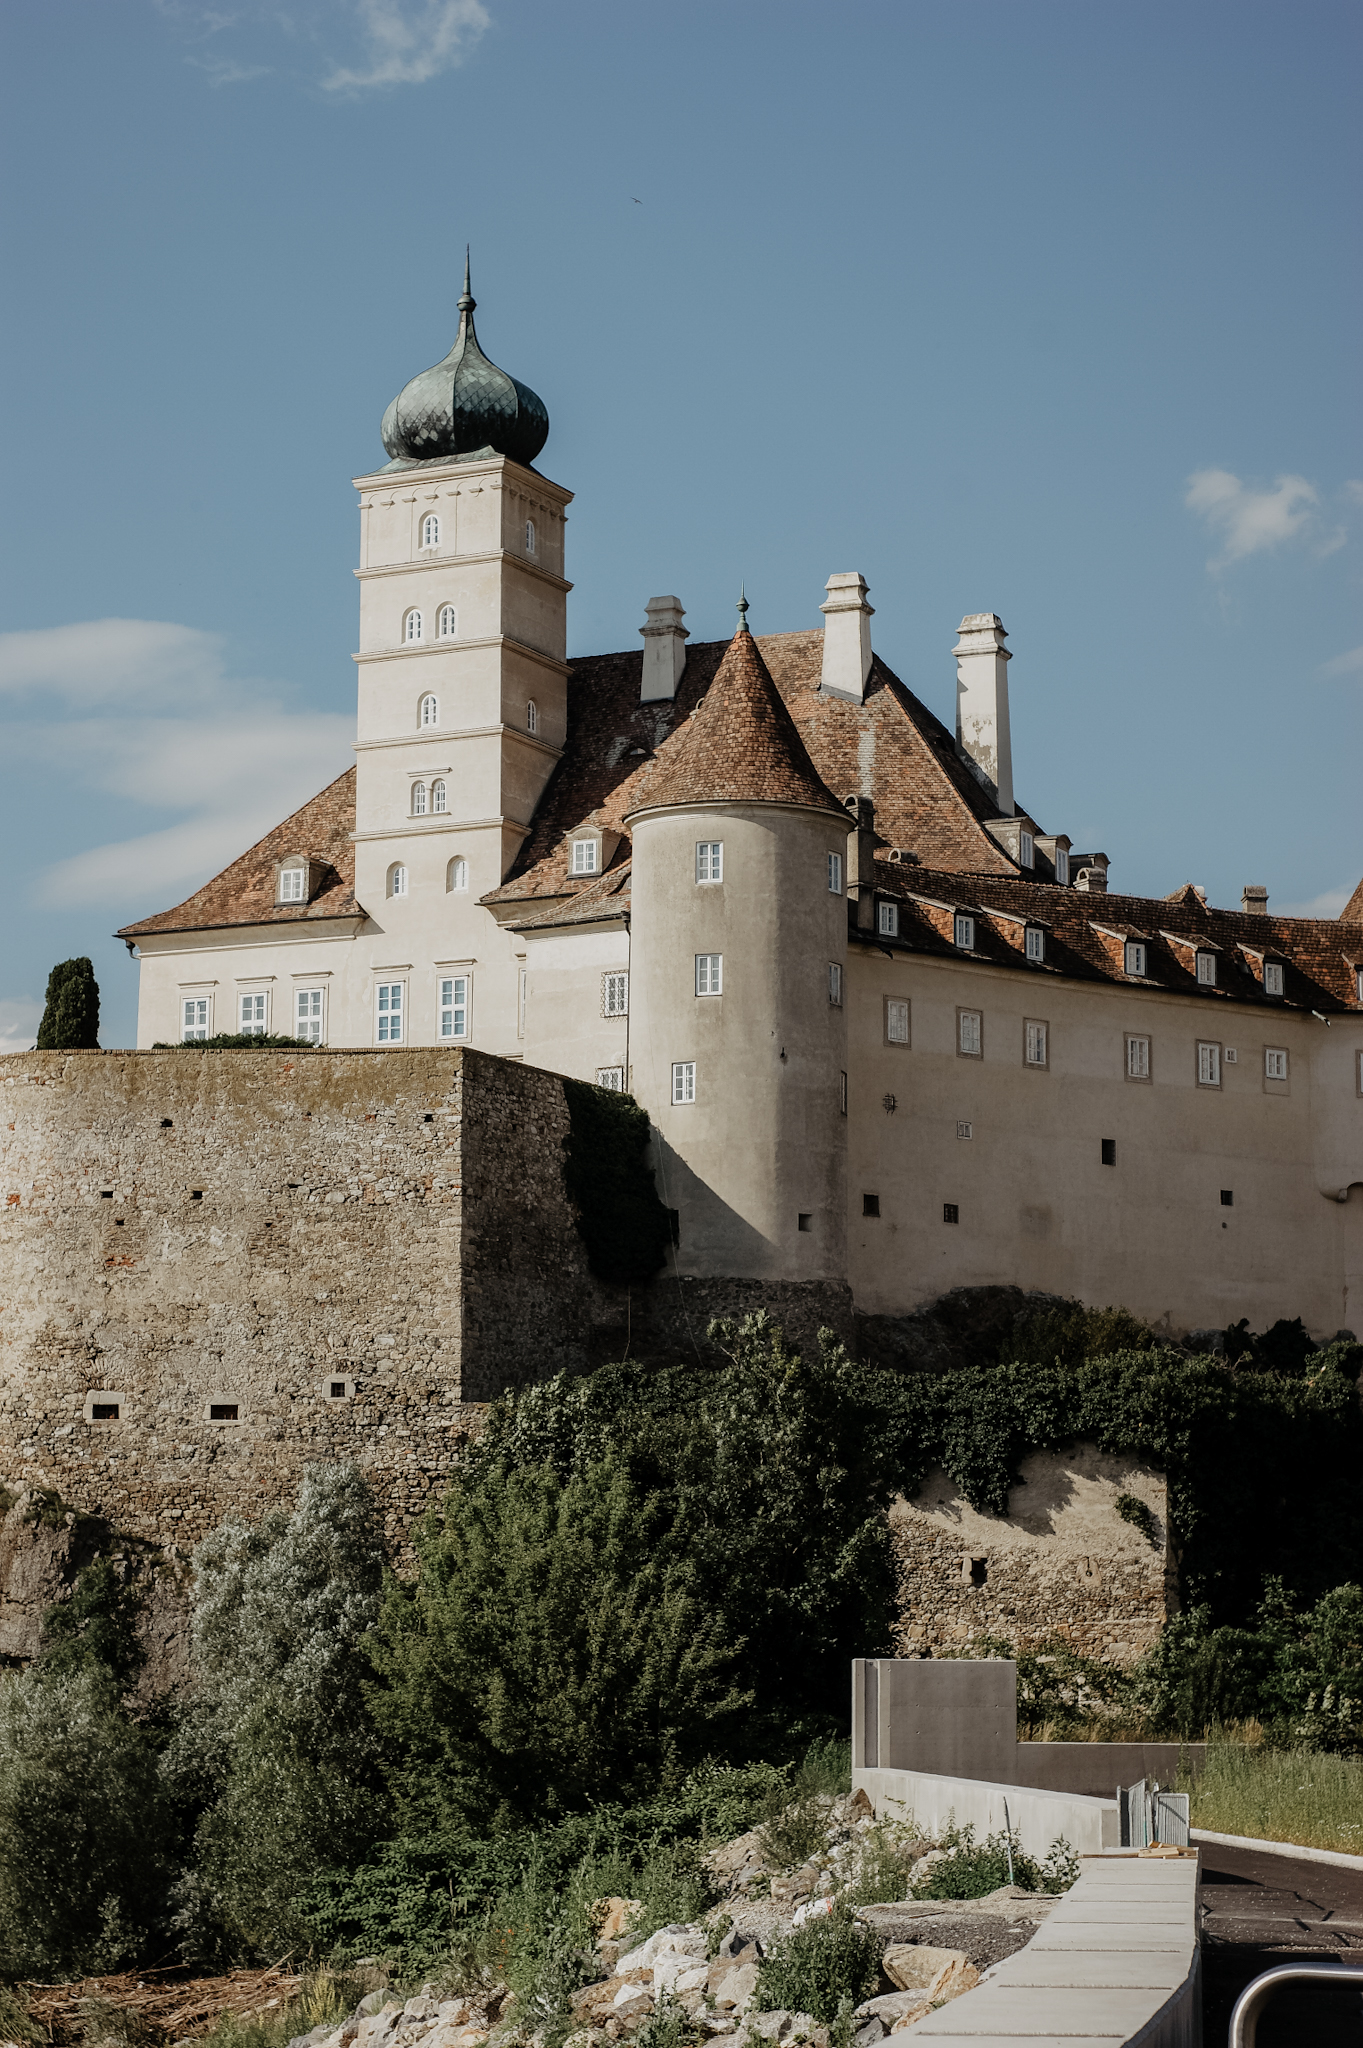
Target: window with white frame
1026	850
389	999
453	1006
532	716
1035	1038
896	1021
194	1017
447	623
430	711
457	875
1275	1063
835	984
1133	957
683	1080
1137	1058
251	1015
709	860
612	1078
438	802
411	628
418	799
584	860
430	531
1062	865
1034	943
307	1014
1273	977
835	874
292	882
963	932
709	974
1208	1064
1206	970
530	536
970	1034
615	995
887	920
397	880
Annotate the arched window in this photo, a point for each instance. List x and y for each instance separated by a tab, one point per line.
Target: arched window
418	799
457	875
447	625
530	536
397	881
411	628
437	796
430	711
532	716
430	531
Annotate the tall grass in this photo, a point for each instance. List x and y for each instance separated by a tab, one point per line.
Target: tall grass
1280	1795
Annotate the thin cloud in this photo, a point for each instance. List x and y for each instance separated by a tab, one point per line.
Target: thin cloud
1247	520
411	43
1350	664
1329	904
20	1017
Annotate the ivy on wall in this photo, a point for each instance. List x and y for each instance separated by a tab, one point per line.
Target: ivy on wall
624	1226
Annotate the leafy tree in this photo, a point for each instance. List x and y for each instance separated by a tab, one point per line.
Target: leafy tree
70	1020
96	1628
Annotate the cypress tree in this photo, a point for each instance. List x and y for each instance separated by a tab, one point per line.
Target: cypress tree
71	1016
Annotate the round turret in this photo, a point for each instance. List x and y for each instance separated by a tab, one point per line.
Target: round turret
465	405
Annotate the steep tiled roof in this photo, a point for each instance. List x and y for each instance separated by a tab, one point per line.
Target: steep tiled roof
244	892
1353	909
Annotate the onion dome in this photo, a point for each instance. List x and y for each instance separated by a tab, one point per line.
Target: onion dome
465	406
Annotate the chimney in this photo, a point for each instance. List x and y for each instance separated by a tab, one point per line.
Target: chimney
846	636
665	639
861	859
1254	899
982	732
1090	872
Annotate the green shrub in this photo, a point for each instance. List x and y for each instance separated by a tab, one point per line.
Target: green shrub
96	1627
818	1967
1298	1670
70	1019
1069	1333
624	1226
237	1041
971	1869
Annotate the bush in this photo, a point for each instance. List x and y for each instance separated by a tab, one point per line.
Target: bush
237	1041
819	1967
70	1019
1297	1670
1069	1333
96	1628
972	1869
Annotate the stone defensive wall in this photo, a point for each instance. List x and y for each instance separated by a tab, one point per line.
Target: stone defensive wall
217	1267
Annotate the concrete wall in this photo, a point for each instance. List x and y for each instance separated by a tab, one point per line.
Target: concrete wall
1098	1768
1039	1819
940	1716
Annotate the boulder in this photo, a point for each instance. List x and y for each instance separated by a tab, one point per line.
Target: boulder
914	1966
889	2007
678	1938
732	1988
613	1916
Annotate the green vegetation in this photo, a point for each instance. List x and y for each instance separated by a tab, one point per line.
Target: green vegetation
70	1019
1134	1510
1289	1795
237	1041
624	1226
823	1968
971	1869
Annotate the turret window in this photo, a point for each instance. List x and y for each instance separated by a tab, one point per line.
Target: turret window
397	881
457	875
530	536
683	1080
430	711
430	531
532	716
585	857
887	920
418	799
447	624
835	984
411	628
709	974
709	860
835	874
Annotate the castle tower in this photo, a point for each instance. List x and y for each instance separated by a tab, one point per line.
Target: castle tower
462	672
738	1037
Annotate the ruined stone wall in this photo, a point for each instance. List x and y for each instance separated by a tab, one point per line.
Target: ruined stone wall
1062	1562
347	1248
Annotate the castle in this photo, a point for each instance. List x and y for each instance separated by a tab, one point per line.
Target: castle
892	1036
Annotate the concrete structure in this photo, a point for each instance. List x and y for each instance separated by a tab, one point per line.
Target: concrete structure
896	1039
1038	1819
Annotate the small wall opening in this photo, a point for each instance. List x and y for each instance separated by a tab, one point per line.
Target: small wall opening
806	1221
104	1411
1109	1146
223	1411
870	1205
951	1212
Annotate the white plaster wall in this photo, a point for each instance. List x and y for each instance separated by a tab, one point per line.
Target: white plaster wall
565	1029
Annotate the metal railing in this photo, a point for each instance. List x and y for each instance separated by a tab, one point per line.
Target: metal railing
1244	2021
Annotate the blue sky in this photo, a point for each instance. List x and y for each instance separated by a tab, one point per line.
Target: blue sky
1050	309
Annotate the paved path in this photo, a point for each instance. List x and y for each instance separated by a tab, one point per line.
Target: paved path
1259	1910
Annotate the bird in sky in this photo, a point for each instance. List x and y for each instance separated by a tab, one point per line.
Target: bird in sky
637	202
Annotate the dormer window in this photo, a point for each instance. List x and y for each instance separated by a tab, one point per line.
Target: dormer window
1206	970
1273	978
293	885
430	531
585	857
437	796
1026	850
411	628
963	932
1062	865
1133	957
447	623
418	799
1034	945
887	920
430	711
530	536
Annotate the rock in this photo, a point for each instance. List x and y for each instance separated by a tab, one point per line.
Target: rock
679	1974
734	1987
913	1966
374	2002
678	1938
924	1864
860	1807
631	1999
869	2033
744	1851
812	1909
453	2012
422	2008
615	1916
889	2007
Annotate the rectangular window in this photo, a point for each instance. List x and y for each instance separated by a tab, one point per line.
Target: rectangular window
965	1130
454	1006
970	1034
1062	865
950	1213
1135	957
709	860
842	1094
835	874
307	1014
963	932
251	1021
1026	850
1273	978
194	1017
1206	970
1208	1064
1275	1063
683	1080
615	995
835	984
390	1012
224	1411
896	1021
870	1205
612	1078
1228	1198
887	920
1035	1036
709	974
1108	1151
1035	943
291	885
1137	1059
584	857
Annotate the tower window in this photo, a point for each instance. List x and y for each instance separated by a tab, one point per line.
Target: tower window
963	932
710	860
683	1080
1206	970
411	628
1208	1064
870	1205
194	1017
532	716
307	1017
397	881
950	1212
896	1021
438	796
1036	1038
615	995
1133	957
709	974
454	1006
835	874
430	711
1273	978
1138	1059
584	860
842	1094
447	623
887	920
430	531
457	875
835	984
418	799
530	536
970	1034
1275	1063
1108	1151
251	1016
390	1012
1034	944
1227	1198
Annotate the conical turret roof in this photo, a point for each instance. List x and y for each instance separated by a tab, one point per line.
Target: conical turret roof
739	746
464	406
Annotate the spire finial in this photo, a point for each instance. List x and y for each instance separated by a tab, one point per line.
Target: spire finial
467	302
742	610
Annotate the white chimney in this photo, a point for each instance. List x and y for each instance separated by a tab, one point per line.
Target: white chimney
982	731
846	635
665	639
